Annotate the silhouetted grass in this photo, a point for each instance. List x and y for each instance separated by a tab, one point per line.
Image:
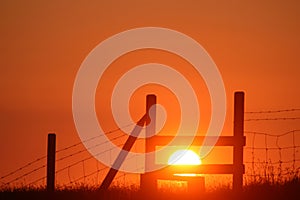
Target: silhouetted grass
259	189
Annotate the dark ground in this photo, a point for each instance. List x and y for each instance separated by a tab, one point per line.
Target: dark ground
288	190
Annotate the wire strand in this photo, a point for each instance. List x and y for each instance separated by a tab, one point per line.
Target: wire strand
273	111
272	119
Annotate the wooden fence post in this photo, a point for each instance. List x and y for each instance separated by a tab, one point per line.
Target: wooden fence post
51	162
238	133
148	183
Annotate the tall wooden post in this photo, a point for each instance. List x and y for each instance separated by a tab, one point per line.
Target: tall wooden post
150	129
148	184
238	133
51	162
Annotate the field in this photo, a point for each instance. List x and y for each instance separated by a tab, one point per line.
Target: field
288	189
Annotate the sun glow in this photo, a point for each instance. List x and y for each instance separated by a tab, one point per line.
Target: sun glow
189	175
184	157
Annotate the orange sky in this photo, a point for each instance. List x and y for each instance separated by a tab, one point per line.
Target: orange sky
255	45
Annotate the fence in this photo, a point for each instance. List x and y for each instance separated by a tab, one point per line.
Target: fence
268	154
238	140
274	161
273	155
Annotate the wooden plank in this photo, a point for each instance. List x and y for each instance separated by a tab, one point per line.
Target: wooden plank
197	140
170	170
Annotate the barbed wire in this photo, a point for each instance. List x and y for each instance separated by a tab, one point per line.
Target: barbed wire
92	147
59	170
93	138
265	112
273	111
272	119
293	160
25	174
84	172
23	167
64	149
87	158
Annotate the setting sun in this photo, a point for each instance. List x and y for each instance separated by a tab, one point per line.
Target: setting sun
184	157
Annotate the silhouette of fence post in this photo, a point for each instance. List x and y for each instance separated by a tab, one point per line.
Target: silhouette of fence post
51	162
147	182
238	133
